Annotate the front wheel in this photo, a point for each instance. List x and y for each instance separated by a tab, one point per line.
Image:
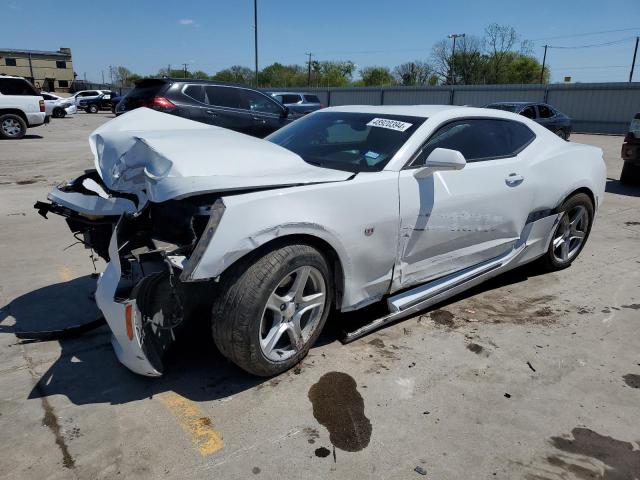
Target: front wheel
269	313
570	233
92	109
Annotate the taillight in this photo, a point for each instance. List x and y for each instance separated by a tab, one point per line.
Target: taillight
157	102
41	105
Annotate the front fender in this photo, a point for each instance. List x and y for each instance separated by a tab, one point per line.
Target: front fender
358	219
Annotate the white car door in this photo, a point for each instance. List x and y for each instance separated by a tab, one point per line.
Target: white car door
452	220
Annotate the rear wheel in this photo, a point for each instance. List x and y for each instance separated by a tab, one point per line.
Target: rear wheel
12	126
92	109
630	174
269	313
571	232
563	133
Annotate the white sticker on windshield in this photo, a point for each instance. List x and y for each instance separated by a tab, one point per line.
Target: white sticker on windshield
390	124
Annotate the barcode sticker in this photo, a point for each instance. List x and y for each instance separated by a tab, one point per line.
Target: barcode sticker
390	124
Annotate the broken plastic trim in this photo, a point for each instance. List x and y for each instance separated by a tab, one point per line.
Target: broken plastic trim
217	210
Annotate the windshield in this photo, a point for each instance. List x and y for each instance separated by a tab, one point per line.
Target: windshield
509	107
356	142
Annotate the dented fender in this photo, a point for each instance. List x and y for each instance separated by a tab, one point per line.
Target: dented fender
360	223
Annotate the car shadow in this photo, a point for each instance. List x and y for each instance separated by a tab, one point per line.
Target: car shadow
615	186
87	370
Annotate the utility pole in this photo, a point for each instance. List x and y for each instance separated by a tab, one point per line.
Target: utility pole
168	70
185	69
255	37
102	71
633	62
453	54
111	74
309	69
544	61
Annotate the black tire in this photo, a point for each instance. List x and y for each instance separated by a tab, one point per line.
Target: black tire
563	133
92	109
240	304
630	174
550	260
59	113
12	126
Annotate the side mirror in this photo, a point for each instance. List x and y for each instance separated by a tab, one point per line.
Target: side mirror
441	159
285	112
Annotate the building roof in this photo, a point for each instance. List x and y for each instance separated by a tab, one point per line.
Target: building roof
35	52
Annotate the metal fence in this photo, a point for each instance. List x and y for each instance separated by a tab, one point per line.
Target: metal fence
593	107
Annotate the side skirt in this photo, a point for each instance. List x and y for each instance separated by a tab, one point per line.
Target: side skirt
409	302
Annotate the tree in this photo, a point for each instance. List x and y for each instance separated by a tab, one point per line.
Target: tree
524	69
278	75
332	73
200	75
235	74
376	76
414	73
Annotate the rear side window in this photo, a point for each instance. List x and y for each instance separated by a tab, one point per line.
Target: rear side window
545	112
223	96
196	92
311	99
48	97
479	139
17	86
529	112
256	102
290	98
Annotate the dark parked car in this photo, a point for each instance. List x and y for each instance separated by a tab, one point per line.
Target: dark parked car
542	113
93	104
115	100
631	154
231	106
299	102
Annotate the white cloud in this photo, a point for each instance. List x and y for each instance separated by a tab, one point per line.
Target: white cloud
186	21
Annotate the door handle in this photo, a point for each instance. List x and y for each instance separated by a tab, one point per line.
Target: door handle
259	120
514	179
211	113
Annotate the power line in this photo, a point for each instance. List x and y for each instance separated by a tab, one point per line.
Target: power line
586	34
593	45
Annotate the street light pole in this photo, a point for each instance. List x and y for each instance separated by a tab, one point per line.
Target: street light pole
633	62
453	54
544	61
255	37
309	70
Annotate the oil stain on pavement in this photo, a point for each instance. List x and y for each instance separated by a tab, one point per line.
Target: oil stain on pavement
621	460
632	380
339	407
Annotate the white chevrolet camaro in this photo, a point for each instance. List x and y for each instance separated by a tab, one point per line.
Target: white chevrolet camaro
406	205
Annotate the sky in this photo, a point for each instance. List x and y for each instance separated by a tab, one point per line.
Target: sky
210	35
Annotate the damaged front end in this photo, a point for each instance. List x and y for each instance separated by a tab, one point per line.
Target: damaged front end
147	246
140	292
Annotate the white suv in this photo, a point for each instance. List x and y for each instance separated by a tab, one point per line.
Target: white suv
21	106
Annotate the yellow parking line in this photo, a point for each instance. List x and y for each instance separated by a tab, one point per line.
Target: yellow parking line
65	274
193	421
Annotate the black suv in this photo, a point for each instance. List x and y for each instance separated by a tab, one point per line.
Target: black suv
235	107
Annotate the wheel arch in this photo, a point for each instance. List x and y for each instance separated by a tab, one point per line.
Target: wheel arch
320	244
15	111
585	190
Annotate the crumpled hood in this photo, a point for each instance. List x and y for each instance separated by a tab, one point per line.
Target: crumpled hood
170	157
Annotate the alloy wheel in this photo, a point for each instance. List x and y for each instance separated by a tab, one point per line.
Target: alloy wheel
11	127
292	313
570	234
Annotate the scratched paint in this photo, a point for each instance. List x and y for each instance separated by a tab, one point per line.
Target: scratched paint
194	422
